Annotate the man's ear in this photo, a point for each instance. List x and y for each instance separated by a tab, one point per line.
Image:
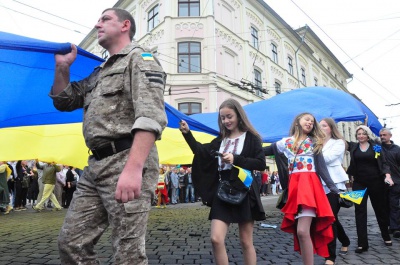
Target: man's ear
126	25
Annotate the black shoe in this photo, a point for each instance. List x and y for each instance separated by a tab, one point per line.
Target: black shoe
396	234
388	243
343	252
361	250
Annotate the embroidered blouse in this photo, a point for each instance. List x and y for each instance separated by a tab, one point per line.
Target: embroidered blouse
304	155
233	146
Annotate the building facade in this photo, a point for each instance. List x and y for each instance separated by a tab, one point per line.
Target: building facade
218	49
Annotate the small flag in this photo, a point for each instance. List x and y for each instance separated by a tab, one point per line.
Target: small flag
245	176
354	196
147	56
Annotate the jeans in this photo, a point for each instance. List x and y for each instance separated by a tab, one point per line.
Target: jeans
190	188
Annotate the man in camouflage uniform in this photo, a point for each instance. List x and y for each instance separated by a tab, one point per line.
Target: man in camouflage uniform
123	116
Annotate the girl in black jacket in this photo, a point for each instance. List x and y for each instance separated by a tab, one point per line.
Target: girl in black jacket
238	144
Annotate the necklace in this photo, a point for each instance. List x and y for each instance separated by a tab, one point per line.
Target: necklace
364	149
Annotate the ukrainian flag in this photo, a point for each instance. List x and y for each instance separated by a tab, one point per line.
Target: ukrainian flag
245	176
354	196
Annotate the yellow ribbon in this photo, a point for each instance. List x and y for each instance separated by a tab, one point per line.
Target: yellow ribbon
377	154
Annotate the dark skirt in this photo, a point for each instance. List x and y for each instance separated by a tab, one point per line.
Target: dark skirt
250	209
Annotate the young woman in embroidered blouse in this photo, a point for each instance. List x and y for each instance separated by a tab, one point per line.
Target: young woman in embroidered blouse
370	171
307	213
333	151
239	144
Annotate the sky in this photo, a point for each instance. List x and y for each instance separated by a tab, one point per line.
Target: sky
363	34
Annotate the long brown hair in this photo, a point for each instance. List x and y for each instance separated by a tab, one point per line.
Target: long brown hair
244	124
316	134
335	134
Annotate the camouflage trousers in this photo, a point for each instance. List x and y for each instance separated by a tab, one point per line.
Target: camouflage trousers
93	209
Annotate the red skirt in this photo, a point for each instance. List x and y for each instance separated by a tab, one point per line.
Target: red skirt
164	191
305	188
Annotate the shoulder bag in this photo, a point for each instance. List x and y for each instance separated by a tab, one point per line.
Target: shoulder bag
229	192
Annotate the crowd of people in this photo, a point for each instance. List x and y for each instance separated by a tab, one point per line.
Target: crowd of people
36	184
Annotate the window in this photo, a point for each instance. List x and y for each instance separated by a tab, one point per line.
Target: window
315	81
257	82
274	53
278	89
303	76
189	56
189	108
189	8
254	38
290	65
152	18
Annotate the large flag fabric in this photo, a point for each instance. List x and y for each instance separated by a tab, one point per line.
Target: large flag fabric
30	126
272	117
354	196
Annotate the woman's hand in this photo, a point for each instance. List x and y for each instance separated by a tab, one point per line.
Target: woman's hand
389	180
184	127
227	158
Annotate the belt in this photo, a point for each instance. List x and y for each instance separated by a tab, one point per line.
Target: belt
112	148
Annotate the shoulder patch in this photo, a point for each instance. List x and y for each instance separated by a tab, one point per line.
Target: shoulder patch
146	56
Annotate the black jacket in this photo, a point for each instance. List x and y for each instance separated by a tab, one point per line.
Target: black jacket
282	164
392	155
205	165
382	164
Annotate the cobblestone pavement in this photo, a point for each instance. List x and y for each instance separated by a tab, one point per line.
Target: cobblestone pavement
179	234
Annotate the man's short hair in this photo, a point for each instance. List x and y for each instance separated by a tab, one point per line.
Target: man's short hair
385	130
122	15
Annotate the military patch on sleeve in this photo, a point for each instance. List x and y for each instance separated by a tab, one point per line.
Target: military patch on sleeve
147	56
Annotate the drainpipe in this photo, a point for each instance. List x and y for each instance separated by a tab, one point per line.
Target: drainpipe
295	55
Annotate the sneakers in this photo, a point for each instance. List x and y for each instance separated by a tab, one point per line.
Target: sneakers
36	209
8	209
164	206
158	206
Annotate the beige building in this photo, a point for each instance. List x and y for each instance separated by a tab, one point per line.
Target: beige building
217	49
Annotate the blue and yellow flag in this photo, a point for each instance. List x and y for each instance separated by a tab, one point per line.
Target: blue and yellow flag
354	196
245	176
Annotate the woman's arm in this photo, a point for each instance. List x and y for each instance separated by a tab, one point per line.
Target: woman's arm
335	152
323	173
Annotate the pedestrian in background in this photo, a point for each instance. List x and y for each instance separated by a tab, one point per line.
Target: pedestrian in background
124	115
239	144
333	151
49	180
370	171
307	213
392	154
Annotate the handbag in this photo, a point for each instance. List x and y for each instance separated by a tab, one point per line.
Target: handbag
229	194
25	182
282	199
345	203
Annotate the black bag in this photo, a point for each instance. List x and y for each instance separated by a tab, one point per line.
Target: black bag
25	182
345	203
228	193
282	199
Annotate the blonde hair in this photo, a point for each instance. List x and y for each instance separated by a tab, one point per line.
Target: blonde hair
370	135
316	134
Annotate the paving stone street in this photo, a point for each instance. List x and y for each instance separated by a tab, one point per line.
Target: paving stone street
179	234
